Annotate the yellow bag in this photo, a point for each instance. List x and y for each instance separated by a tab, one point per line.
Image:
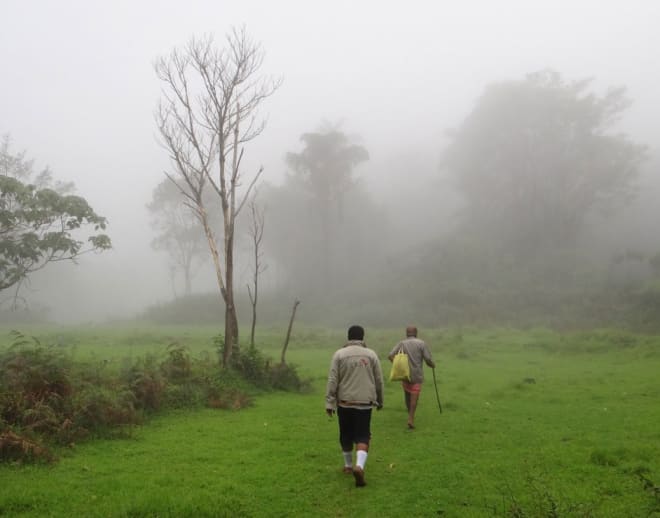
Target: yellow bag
400	367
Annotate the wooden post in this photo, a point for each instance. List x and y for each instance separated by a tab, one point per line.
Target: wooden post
288	332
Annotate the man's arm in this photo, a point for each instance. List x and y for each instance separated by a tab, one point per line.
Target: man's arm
331	387
427	356
393	352
378	378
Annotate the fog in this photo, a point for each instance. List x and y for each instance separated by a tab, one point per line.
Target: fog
79	91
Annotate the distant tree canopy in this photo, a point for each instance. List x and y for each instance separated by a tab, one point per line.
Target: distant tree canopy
537	163
39	220
325	166
323	187
179	232
324	170
536	157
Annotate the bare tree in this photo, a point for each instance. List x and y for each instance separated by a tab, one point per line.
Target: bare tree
207	113
256	232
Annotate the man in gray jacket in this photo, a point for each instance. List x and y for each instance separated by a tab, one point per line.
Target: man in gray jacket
355	386
418	354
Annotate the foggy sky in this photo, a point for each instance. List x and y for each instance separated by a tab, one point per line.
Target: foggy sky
78	93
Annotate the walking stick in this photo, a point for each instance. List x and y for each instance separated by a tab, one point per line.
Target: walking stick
437	396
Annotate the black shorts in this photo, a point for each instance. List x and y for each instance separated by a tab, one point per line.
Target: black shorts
354	426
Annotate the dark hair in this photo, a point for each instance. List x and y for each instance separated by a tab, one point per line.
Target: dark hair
356	333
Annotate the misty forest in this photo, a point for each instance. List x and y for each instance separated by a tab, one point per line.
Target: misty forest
538	211
187	267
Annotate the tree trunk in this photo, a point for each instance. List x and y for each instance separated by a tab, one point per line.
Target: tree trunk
325	250
173	282
231	331
288	331
253	301
187	279
231	318
231	322
257	232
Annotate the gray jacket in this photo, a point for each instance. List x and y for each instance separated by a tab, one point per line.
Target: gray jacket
418	353
355	377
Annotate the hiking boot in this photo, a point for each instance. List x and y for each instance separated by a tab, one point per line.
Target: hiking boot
358	473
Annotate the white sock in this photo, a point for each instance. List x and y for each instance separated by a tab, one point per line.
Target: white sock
361	458
348	459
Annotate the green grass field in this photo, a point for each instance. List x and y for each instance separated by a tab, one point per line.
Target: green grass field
534	424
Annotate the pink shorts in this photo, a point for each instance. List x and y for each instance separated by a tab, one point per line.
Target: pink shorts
413	388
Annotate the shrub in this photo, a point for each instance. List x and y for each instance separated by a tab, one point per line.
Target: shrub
258	370
31	374
99	409
177	365
252	365
18	448
35	390
228	390
41	418
284	376
46	399
184	395
145	381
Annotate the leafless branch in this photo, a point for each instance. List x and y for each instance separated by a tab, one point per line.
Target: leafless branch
208	112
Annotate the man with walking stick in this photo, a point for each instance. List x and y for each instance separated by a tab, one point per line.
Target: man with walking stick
418	353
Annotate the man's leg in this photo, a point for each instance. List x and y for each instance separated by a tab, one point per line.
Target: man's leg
406	396
348	460
414	397
362	450
363	436
345	440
